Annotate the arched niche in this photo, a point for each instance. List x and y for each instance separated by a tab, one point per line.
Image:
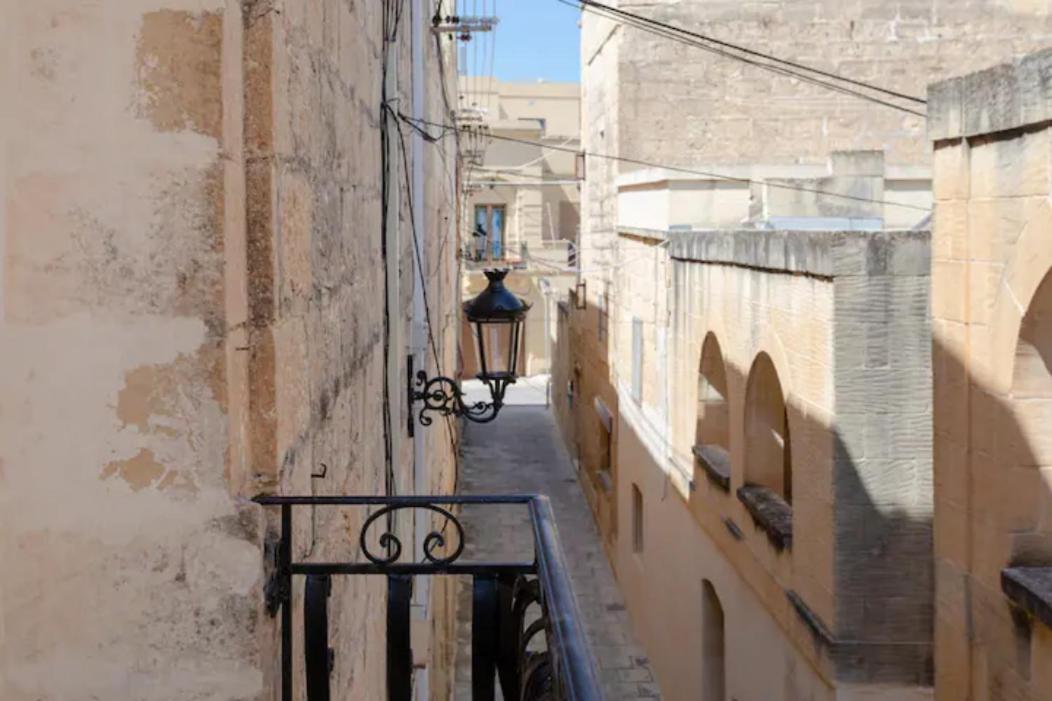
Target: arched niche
713	645
768	454
713	416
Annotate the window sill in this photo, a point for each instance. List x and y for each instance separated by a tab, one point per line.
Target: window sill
1030	588
605	481
770	513
716	463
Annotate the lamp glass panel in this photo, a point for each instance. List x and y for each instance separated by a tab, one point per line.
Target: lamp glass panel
497	346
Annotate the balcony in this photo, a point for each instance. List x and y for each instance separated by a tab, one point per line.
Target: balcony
481	254
527	632
558	255
554	256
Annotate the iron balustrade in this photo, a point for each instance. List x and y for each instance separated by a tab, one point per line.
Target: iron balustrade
515	605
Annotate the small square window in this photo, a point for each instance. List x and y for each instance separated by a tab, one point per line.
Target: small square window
637	360
637	519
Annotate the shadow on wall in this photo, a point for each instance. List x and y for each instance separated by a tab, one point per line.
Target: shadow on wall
822	518
994	505
913	602
586	404
993	484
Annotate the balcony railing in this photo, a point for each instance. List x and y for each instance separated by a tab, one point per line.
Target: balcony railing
556	255
481	254
526	628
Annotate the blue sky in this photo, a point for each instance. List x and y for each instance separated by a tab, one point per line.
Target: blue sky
534	39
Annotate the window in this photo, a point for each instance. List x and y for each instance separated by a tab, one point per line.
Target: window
637	519
637	359
489	232
604	317
713	646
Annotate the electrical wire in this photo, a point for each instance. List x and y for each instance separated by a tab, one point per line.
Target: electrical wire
420	267
490	93
390	28
687	38
677	169
758	54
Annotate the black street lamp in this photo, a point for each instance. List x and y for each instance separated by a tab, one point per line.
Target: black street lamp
496	316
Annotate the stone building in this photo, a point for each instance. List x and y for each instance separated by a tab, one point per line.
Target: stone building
991	296
710	382
523	204
761	434
194	280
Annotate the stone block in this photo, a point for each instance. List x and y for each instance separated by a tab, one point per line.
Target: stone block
951	171
949	292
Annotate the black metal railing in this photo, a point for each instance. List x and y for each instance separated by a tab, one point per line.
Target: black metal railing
526	628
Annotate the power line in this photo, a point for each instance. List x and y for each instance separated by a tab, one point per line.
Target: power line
677	169
420	263
759	54
696	40
492	55
389	25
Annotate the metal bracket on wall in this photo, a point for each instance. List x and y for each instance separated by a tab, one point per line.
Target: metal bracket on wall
580	295
275	591
410	395
318	657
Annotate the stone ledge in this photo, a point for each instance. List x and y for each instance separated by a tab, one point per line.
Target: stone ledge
1001	98
868	661
770	513
716	463
605	481
656	235
822	254
1030	588
810	619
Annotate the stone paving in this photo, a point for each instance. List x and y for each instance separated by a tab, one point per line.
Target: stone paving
521	452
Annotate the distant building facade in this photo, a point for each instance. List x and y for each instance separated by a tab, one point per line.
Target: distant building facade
523	200
744	368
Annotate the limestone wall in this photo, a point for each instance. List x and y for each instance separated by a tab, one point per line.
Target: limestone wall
990	292
842	320
192	314
732	112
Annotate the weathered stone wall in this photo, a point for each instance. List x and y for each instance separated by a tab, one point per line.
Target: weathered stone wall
193	314
990	293
732	112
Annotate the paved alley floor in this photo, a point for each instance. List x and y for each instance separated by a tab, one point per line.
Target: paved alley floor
522	452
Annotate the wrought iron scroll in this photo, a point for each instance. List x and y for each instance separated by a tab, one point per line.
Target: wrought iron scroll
528	621
443	396
434	540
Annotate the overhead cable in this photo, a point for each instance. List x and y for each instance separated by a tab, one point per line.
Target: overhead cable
714	46
652	164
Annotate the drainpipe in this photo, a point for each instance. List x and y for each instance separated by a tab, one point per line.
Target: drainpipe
546	290
392	242
418	324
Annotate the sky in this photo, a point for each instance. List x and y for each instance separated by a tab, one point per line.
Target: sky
534	39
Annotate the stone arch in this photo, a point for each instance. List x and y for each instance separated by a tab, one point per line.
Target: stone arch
713	645
1025	271
712	426
768	454
1026	444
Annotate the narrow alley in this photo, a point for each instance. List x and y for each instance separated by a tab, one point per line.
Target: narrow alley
522	452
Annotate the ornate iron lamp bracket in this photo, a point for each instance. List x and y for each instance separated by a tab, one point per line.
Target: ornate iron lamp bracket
443	396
